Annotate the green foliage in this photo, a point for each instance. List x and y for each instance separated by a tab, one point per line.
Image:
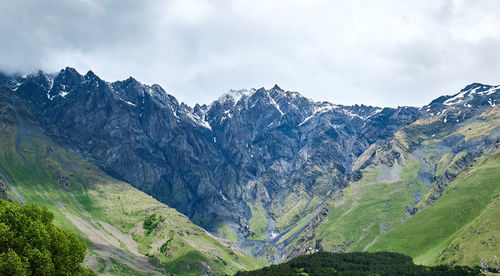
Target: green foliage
358	263
11	264
164	247
31	244
151	222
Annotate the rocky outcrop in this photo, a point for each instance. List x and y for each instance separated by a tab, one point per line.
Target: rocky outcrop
307	244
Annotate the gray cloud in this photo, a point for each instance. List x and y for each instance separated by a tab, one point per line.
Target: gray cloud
386	52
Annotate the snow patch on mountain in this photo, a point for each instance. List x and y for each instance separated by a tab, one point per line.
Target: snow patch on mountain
235	95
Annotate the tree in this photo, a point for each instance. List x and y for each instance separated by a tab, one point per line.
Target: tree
30	244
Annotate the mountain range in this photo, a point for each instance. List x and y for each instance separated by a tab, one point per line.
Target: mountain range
263	172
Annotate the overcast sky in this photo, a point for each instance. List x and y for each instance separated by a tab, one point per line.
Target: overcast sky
386	53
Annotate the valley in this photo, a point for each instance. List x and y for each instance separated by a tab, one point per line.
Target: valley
258	176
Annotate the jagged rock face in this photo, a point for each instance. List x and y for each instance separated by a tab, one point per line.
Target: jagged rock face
213	162
203	161
291	144
137	133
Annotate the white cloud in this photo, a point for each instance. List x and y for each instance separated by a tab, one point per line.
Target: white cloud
387	52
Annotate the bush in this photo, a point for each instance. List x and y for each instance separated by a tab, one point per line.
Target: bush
151	222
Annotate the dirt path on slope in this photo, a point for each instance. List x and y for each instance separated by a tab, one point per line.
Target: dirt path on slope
127	240
108	246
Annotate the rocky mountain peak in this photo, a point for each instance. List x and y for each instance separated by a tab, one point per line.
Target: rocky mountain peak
69	75
234	96
456	108
131	79
276	87
91	76
474	85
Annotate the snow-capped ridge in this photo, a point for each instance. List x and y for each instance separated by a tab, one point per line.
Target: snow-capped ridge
236	95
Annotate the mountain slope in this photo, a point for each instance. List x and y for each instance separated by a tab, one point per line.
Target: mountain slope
425	191
461	227
276	173
106	213
251	166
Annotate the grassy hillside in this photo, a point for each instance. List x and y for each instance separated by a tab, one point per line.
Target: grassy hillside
367	209
432	192
107	214
461	227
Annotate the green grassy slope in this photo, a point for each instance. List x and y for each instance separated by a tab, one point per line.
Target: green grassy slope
461	227
107	214
455	222
367	209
